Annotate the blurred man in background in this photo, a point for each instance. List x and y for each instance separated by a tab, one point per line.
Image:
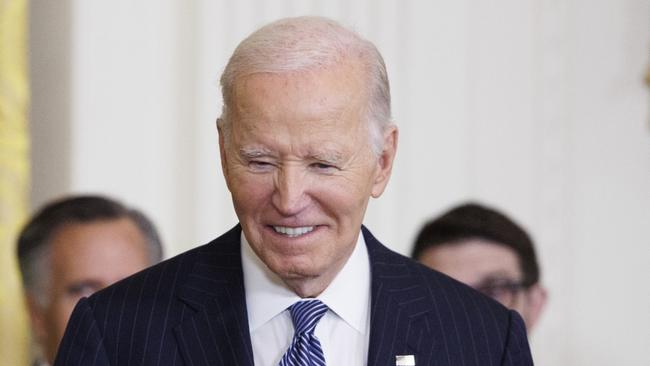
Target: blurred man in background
485	249
74	247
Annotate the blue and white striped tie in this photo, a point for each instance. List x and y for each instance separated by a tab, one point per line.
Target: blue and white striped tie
305	348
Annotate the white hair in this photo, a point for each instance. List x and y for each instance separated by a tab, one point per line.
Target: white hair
306	44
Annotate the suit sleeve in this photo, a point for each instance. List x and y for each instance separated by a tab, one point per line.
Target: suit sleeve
517	350
82	341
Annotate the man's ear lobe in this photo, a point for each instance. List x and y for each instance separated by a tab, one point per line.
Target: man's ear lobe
385	161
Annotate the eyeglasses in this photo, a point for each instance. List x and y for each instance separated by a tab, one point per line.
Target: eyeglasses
502	290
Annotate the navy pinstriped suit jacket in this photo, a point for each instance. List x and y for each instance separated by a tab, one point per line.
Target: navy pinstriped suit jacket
191	310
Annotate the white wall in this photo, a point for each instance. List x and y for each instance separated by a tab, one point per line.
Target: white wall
537	107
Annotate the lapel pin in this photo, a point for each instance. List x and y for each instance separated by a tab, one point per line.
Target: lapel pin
405	360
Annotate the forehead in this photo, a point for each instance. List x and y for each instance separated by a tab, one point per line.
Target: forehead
97	246
315	94
322	108
474	260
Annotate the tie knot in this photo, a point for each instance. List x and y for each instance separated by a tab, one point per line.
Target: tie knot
306	315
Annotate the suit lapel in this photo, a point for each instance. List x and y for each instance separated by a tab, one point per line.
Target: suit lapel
214	329
400	306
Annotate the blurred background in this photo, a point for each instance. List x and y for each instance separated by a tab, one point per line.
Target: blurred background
537	107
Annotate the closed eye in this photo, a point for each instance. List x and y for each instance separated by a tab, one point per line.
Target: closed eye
323	167
260	165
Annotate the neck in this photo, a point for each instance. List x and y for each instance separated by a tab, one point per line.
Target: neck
307	288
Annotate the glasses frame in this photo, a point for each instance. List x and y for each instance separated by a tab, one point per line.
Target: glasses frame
504	291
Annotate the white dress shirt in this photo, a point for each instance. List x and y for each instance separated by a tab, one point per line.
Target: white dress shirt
343	331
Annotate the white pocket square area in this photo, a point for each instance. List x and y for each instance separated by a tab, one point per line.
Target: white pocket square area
405	360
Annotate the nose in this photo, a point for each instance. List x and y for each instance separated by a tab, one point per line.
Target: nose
290	196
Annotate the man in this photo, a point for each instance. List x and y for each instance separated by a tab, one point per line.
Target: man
305	140
485	249
74	247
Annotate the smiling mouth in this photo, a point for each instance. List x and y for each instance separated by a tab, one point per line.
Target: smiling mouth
293	232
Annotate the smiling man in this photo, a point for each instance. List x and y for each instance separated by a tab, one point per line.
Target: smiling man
306	140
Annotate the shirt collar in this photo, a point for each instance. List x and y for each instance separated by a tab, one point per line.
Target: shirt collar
348	296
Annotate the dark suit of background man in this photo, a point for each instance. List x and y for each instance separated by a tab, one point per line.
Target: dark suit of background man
305	139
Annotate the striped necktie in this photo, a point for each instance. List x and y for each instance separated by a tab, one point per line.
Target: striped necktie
305	348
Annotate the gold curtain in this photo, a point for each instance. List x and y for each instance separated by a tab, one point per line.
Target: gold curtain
14	177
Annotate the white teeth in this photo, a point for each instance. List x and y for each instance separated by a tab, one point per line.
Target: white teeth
292	232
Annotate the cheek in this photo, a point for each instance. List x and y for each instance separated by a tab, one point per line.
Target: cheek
249	192
342	195
520	305
59	315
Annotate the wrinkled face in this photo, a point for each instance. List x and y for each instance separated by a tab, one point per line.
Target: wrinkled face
85	257
490	268
297	161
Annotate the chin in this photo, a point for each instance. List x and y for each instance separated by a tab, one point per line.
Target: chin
294	271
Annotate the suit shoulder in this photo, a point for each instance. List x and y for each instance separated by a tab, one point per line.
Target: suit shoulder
472	327
140	312
162	279
460	295
446	294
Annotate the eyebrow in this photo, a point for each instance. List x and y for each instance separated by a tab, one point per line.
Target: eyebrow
327	155
252	152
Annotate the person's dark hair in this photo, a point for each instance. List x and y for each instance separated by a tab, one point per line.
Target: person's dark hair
33	248
474	221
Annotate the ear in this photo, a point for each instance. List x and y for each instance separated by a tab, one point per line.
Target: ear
222	148
385	161
37	317
536	297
